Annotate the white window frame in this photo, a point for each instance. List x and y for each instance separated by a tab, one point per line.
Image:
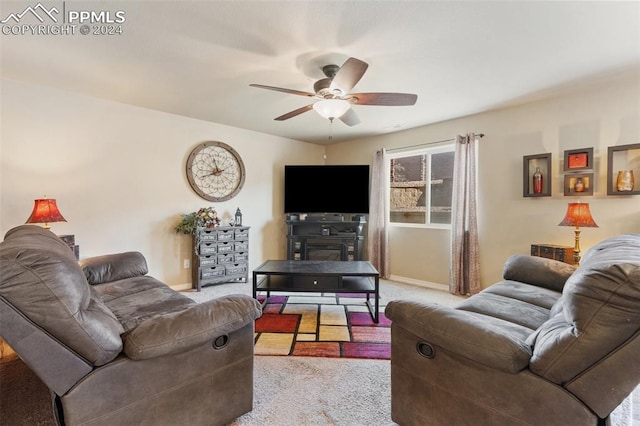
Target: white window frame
426	150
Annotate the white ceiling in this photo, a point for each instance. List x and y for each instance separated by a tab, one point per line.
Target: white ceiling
197	59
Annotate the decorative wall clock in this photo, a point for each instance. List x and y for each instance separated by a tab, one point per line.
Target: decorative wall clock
215	171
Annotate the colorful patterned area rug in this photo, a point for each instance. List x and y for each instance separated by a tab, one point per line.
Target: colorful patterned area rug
321	325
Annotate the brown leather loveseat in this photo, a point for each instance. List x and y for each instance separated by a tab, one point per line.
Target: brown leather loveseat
548	345
116	346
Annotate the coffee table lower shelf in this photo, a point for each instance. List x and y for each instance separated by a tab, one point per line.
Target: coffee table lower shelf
314	282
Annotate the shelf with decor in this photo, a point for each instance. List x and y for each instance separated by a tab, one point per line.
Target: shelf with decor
536	181
576	163
578	159
578	184
623	168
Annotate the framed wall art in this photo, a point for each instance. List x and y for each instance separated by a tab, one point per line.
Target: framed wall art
578	159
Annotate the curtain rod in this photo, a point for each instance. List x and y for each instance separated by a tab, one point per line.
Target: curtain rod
427	144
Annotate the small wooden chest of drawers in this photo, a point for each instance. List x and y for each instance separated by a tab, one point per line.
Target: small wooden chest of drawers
552	251
220	255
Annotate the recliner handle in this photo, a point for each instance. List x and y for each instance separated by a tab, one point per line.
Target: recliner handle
426	350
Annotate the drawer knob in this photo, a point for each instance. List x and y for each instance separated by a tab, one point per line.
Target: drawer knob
315	282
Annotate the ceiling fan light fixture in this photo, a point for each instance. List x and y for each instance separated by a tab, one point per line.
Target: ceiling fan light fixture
334	94
331	108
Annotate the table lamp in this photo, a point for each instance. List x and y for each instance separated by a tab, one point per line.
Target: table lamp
578	214
45	210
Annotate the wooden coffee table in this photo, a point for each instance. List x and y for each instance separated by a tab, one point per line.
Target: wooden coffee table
319	276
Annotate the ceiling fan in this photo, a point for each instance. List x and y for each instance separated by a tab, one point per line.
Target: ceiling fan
334	99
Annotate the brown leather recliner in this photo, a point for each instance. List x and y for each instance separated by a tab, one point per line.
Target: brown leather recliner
548	345
116	346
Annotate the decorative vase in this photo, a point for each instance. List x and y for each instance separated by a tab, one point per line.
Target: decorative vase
537	181
579	185
625	181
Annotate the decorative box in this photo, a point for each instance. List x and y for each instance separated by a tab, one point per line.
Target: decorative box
553	251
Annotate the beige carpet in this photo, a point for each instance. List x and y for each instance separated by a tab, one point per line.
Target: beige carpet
324	391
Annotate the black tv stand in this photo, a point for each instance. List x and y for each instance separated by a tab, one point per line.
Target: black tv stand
335	237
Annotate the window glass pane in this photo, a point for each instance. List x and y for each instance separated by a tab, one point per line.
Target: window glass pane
421	187
408	169
408	189
441	187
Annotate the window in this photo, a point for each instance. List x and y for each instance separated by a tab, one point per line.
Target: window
421	186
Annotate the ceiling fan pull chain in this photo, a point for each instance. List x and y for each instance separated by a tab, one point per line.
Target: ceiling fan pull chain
330	129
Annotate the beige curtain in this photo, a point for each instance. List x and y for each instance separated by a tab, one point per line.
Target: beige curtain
465	259
378	235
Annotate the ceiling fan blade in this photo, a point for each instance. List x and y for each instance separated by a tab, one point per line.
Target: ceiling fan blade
350	118
294	113
348	75
280	89
385	99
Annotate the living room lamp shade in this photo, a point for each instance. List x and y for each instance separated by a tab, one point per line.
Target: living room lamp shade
578	214
45	210
331	108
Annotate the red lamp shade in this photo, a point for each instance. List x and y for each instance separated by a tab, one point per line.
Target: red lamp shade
578	214
45	211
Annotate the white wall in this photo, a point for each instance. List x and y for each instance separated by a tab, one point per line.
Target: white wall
117	172
599	116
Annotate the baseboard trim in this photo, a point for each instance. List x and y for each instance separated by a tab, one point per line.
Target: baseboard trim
419	283
181	287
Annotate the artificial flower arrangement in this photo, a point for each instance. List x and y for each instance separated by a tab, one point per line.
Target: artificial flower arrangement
206	217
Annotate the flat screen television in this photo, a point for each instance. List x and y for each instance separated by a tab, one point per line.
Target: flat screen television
326	189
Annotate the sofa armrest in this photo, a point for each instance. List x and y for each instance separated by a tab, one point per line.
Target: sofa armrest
538	271
113	267
197	324
486	340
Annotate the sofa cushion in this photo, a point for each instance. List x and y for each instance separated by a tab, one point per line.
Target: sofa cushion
41	278
507	309
184	329
112	267
601	311
519	303
538	271
488	340
532	294
134	300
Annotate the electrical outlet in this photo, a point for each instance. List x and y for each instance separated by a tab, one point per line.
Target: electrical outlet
187	263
